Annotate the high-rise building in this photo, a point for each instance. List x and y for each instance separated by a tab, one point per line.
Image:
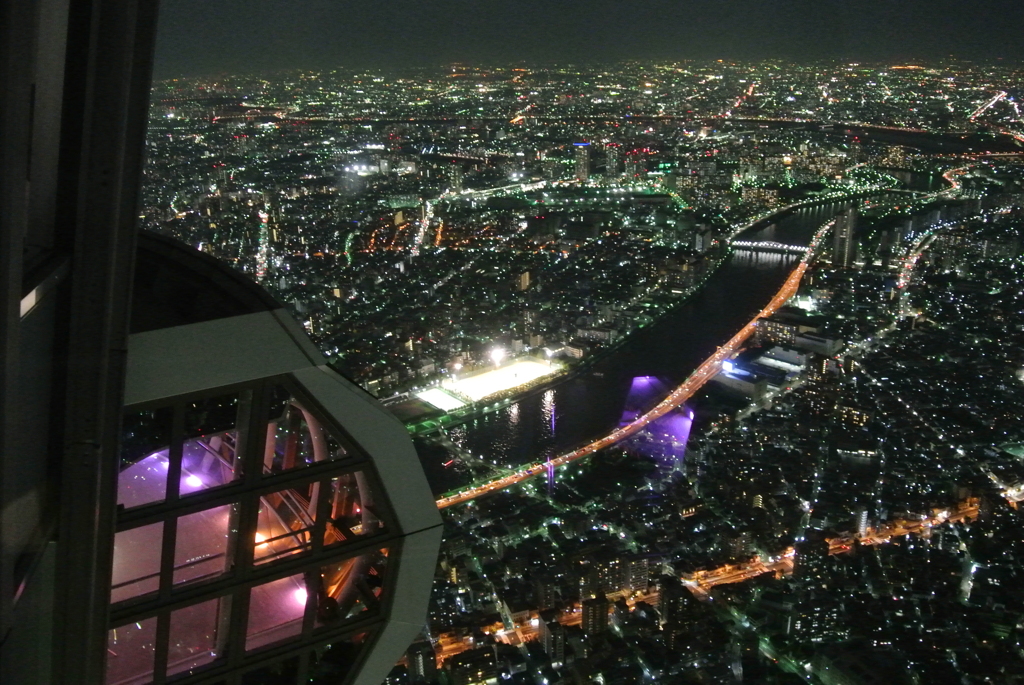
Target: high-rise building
844	247
636	164
612	162
582	161
475	667
862	521
674	602
595	615
422	660
188	491
552	639
812	560
635	574
456	176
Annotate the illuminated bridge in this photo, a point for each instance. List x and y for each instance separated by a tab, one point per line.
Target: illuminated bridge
688	389
767	246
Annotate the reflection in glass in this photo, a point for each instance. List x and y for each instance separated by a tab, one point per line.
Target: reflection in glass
352	512
195	638
284	523
145	437
280	673
332	663
211	415
349	588
136	562
208	461
275	611
130	652
295	439
202	544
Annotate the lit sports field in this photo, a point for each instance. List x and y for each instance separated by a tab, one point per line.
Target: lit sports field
517	373
440	399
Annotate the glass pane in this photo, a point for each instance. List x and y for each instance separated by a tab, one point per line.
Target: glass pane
211	415
295	438
275	611
284	523
282	673
350	588
203	543
136	562
352	513
145	438
209	461
332	663
195	635
130	651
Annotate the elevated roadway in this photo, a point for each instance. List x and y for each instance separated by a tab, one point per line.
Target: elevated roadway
700	582
711	366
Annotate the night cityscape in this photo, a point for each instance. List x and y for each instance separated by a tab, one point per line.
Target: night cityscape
539	343
537	269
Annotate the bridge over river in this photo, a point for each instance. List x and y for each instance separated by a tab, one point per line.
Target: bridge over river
532	435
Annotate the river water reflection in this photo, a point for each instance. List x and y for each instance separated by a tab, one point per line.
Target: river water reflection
590	405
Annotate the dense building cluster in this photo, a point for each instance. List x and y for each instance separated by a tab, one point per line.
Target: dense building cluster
415	221
787	544
838	506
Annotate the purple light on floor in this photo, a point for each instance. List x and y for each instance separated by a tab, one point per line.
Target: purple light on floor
644	393
674	427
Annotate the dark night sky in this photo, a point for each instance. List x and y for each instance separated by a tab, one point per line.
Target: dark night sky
216	36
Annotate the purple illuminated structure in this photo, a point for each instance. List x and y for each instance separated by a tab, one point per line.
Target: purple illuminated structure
673	431
262	502
664	439
644	393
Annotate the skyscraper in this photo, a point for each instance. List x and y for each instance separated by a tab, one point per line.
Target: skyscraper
844	247
612	162
636	164
188	491
595	615
552	639
422	662
582	160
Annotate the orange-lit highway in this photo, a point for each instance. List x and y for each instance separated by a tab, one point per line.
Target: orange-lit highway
688	389
702	581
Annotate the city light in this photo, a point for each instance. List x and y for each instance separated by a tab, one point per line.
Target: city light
481	385
497	354
440	399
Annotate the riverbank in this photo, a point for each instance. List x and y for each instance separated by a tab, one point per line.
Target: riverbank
433	423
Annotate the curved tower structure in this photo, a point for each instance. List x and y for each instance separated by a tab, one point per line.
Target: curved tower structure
187	492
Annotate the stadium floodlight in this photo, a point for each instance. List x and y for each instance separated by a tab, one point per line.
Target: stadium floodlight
497	354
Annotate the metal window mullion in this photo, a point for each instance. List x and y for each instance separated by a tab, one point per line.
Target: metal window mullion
188	595
170	535
161	647
381	502
323	507
239	624
256	435
247	417
303	670
174	453
248	522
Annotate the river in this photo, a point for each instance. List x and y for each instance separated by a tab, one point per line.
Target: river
590	405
